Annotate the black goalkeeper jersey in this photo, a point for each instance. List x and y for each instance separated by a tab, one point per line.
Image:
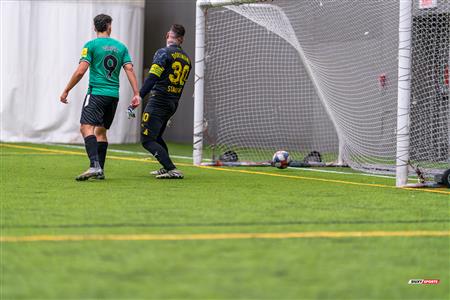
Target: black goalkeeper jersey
168	74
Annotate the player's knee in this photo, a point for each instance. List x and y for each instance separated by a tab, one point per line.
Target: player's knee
86	130
146	138
149	144
100	133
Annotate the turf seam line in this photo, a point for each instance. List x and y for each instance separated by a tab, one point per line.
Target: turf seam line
222	236
437	191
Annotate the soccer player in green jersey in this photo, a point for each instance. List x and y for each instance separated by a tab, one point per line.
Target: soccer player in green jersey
105	57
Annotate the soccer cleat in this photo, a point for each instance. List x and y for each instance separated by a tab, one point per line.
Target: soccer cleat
100	176
172	174
91	173
158	172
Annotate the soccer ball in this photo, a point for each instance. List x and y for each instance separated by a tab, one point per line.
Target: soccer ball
281	159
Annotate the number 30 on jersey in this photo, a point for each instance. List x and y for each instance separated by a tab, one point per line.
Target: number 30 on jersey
180	73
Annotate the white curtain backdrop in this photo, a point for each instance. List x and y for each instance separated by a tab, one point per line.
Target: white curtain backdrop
41	42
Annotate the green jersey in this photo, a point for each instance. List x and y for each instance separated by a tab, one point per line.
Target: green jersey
106	57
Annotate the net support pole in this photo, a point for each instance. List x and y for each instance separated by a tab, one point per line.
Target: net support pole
404	92
199	85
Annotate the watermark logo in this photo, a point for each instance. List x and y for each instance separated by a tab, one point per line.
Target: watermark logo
423	281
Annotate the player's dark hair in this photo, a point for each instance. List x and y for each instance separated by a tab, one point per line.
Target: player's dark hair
101	22
178	30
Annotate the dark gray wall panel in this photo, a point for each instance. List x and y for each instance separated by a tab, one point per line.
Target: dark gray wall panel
159	15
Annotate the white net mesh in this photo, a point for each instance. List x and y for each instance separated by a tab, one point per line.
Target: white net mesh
321	76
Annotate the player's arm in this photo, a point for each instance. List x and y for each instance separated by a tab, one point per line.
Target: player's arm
76	77
133	82
148	84
157	68
146	88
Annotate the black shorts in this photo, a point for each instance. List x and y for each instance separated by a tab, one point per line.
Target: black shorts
99	110
154	121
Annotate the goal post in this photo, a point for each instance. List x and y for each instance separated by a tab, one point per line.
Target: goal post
199	84
199	81
404	91
357	81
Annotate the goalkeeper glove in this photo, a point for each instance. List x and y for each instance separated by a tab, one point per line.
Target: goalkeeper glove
131	112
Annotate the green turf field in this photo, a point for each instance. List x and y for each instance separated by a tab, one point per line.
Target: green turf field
236	233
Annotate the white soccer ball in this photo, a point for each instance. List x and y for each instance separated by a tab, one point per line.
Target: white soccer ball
281	159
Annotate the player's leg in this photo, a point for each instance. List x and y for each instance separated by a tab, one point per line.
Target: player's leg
102	141
88	121
91	116
164	174
101	131
160	141
91	146
150	129
90	143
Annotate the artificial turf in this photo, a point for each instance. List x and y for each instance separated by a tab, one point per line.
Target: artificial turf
39	196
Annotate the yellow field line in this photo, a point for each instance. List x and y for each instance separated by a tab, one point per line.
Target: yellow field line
298	177
221	236
31	153
42	149
57	151
437	190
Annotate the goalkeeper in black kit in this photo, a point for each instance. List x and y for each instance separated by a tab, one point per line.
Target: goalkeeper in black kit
168	74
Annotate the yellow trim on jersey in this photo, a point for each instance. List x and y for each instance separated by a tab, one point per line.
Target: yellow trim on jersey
157	70
84	52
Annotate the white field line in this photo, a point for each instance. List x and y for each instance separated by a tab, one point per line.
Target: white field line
190	158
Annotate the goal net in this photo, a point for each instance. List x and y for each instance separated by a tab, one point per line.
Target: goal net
324	75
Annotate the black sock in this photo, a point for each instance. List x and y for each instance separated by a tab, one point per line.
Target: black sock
90	142
102	148
160	154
